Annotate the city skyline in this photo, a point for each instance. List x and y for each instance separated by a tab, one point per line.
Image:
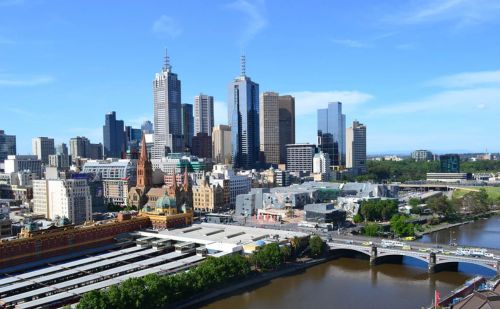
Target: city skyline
391	65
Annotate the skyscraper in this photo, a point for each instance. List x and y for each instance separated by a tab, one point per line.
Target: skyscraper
167	112
221	144
187	125
243	115
113	136
147	127
43	147
62	149
269	127
78	147
287	123
7	145
331	132
203	114
449	163
356	148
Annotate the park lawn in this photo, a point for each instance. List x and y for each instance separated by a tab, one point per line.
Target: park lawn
493	192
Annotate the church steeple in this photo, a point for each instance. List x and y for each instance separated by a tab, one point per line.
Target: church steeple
144	167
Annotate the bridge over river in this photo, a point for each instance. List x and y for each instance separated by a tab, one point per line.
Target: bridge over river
436	258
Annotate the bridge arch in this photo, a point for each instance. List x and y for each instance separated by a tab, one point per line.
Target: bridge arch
413	256
443	264
350	250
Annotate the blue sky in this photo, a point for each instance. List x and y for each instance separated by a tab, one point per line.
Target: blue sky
419	74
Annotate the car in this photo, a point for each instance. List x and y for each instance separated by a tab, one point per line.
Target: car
367	243
490	255
423	250
406	248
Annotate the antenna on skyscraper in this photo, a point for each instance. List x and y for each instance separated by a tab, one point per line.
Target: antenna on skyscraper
166	65
243	65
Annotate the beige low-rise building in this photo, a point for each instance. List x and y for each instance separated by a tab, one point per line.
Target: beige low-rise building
208	197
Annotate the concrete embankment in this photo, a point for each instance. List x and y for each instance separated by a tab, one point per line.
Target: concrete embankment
248	283
440	227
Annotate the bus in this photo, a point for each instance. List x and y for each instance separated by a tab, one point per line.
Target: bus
392	243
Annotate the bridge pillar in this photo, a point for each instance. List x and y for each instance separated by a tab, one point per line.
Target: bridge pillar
373	255
432	263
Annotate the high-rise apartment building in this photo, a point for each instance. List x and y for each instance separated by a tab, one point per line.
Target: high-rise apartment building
286	124
221	144
63	198
113	136
321	163
331	132
269	128
187	125
167	112
43	147
299	157
356	148
203	114
243	116
7	145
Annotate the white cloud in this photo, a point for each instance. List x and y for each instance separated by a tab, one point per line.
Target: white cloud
220	112
468	79
352	43
460	12
307	102
166	25
256	20
453	101
9	80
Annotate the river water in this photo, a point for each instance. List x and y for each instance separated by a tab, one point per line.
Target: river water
352	283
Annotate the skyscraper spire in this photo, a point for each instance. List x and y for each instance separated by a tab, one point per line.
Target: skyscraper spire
243	65
166	65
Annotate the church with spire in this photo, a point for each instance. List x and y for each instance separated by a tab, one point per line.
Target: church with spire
167	207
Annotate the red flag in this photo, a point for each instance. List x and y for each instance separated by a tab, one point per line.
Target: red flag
436	298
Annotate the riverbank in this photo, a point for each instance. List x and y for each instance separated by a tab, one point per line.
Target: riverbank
439	227
248	283
445	225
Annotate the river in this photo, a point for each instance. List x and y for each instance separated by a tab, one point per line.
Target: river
352	283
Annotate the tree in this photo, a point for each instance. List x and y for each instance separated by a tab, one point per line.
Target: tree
269	257
401	227
93	299
357	218
476	202
414	202
442	206
371	229
378	210
316	245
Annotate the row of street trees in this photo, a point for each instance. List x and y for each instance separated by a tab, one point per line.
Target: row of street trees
155	291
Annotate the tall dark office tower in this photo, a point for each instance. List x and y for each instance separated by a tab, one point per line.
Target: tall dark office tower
187	125
7	145
167	112
331	132
243	116
287	123
113	136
